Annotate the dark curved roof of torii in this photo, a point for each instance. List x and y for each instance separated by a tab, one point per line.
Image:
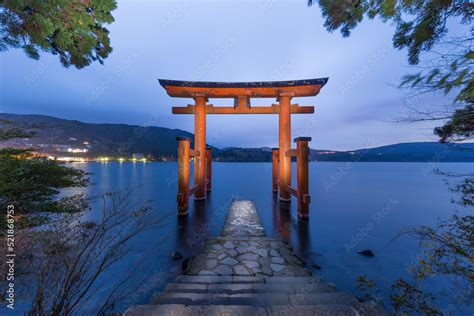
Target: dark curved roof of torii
258	84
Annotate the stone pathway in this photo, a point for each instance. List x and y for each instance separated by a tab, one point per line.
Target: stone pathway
242	272
243	250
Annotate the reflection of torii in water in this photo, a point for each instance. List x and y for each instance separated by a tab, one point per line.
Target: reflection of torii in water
283	91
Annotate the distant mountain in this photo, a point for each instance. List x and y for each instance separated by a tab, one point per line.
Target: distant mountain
244	155
56	136
60	137
404	152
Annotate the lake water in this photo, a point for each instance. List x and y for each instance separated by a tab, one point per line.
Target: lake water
354	206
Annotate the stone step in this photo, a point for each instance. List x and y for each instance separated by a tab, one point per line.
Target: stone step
256	299
207	279
237	238
182	310
241	310
308	288
186	288
239	288
335	298
291	280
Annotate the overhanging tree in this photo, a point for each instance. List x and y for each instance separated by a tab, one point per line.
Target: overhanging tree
74	30
419	27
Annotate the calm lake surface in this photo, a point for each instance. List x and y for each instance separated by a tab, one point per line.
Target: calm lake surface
355	206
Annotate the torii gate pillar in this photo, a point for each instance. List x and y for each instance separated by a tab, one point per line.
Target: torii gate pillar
200	147
285	145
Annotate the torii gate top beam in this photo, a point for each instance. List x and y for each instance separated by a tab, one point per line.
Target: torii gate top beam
242	92
262	89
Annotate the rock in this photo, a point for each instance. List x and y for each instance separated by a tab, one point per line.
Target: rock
229	261
256	270
185	264
251	264
241	270
274	253
223	270
277	267
316	266
278	260
221	256
252	250
176	255
241	249
262	252
216	247
229	245
232	252
248	256
366	253
211	263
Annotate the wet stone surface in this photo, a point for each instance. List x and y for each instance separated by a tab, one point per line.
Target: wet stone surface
243	249
242	220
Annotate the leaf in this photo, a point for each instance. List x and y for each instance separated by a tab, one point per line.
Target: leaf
433	74
409	78
416	82
454	65
460	77
442	81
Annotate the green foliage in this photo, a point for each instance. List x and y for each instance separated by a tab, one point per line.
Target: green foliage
466	188
457	75
459	127
409	299
406	298
71	29
420	25
33	183
448	250
367	288
426	24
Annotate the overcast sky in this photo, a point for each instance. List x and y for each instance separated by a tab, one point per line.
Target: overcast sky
227	41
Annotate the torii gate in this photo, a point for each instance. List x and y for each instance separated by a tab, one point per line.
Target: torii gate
242	92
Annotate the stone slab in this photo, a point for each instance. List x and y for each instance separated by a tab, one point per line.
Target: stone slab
230	288
243	220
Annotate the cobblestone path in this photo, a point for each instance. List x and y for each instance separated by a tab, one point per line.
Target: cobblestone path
243	272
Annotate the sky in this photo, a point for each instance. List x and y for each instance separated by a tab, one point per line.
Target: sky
228	41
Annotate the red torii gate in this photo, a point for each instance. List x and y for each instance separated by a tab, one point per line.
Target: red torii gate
242	92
